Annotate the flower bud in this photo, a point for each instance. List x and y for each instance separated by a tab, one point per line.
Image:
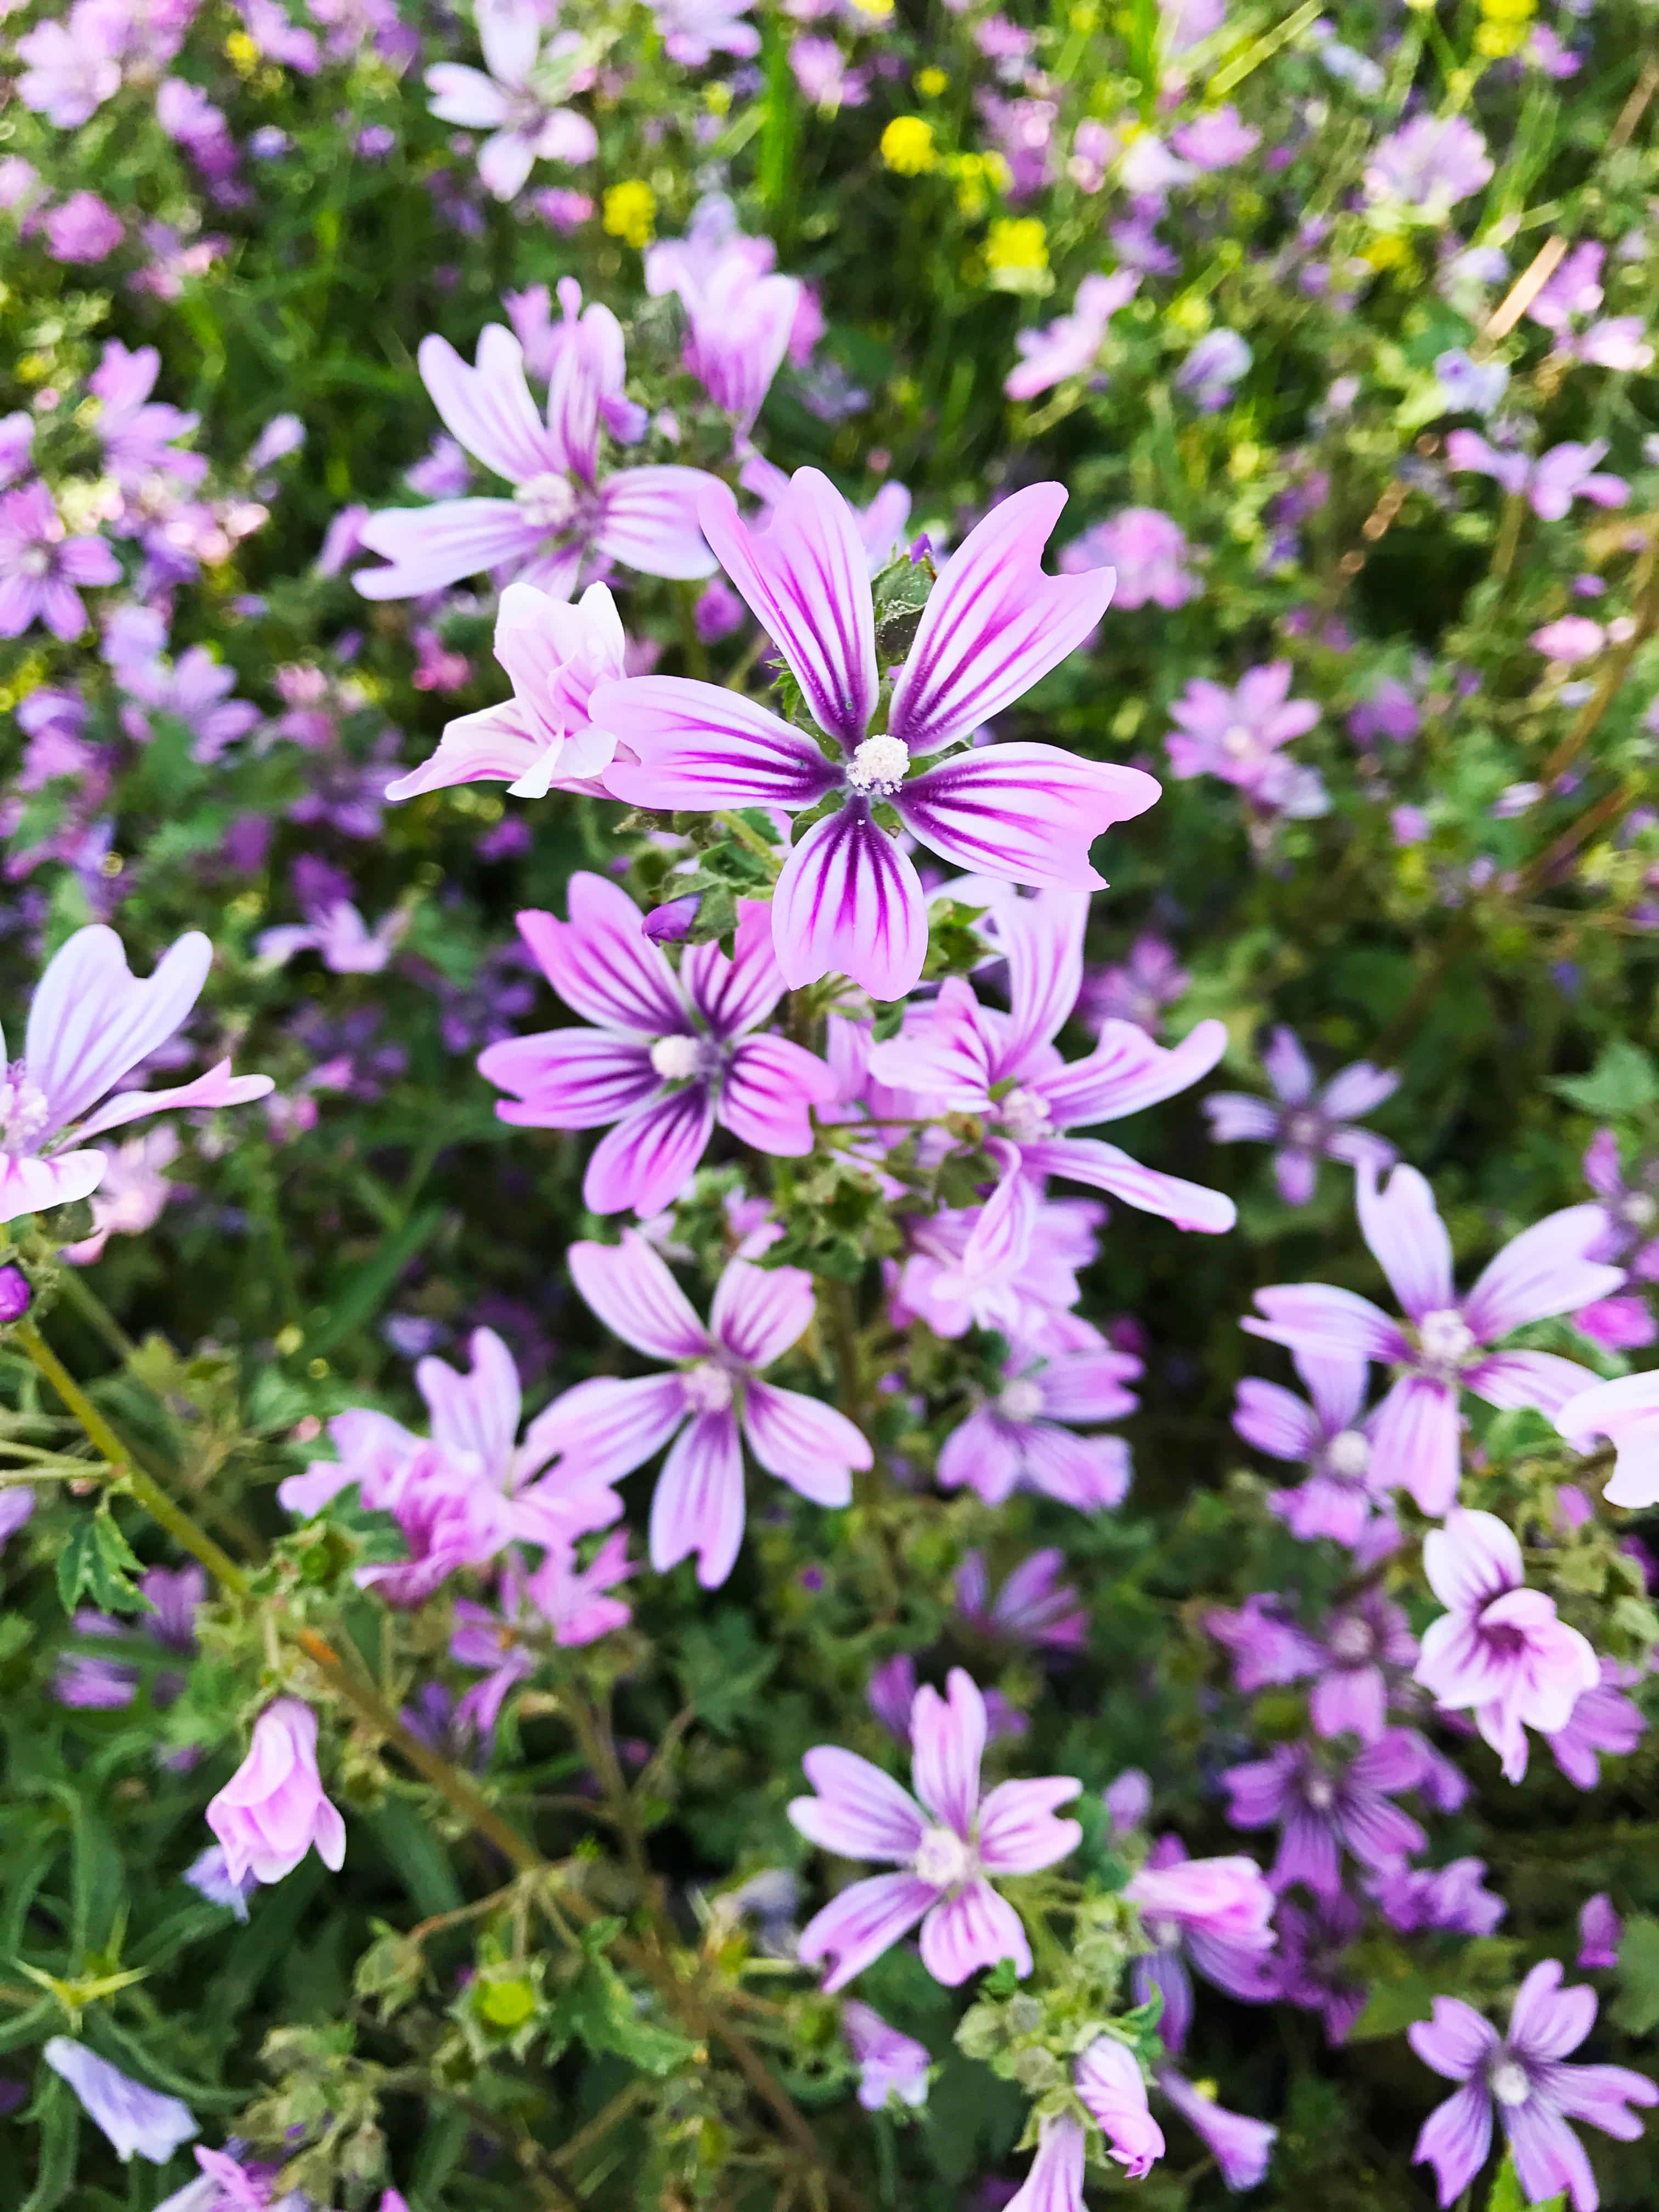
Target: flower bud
15	1295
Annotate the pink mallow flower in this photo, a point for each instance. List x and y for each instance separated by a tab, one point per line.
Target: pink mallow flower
517	101
1524	2075
849	898
1216	1914
1024	1438
946	1845
1147	548
1328	1434
1237	735
42	566
668	1056
713	1399
555	654
1307	1124
1109	2087
1551	482
1443	1347
563	516
1071	345
739	311
272	1810
1322	1806
889	2064
90	1023
1626	1413
1499	1649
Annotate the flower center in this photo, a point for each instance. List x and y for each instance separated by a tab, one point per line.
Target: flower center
709	1389
1350	1640
546	502
33	560
1509	2082
1302	1130
1238	742
1348	1454
1445	1337
1640	1210
1021	1399
878	766
1319	1792
24	1110
675	1058
944	1860
1025	1114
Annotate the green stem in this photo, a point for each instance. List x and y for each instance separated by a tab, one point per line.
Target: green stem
81	1294
744	835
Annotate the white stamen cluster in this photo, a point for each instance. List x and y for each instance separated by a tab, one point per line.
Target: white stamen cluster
878	766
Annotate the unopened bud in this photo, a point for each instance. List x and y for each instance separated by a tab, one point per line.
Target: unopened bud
15	1295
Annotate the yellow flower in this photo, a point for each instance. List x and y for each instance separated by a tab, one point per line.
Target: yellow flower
241	52
907	145
1016	246
930	83
630	212
717	98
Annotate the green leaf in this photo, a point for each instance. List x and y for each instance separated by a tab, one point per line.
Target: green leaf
60	2142
723	1663
1636	2010
1393	2007
98	1562
367	1288
1507	2197
601	2008
1623	1080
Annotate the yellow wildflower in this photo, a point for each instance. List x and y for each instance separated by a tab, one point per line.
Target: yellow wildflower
907	145
630	212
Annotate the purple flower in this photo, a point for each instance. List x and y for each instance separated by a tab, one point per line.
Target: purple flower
1309	1124
715	1398
562	517
139	2122
517	102
84	230
138	433
1309	1970
1535	2093
41	565
1213	368
1626	1413
339	936
694	31
889	2064
555	655
194	691
739	313
1032	1607
1113	2092
1363	1650
1343	1484
1146	549
1241	2146
1070	345
1137	989
1428	165
1498	1648
947	1845
272	1810
15	1299
958	1056
1603	1720
849	898
1021	1439
1054	2182
1550	483
668	1057
1322	1807
90	1023
1215	139
1441	1348
1600	1932
72	69
1237	735
209	1873
1216	1913
1448	1899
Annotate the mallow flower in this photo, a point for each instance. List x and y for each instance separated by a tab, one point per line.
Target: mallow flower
518	102
1524	2077
889	2064
92	1022
947	1841
272	1810
138	2122
1444	1345
849	899
1306	1122
563	516
668	1055
1626	1413
1498	1648
715	1399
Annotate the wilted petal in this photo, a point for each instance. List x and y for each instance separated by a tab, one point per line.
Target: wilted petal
849	902
1028	813
806	580
995	624
138	2121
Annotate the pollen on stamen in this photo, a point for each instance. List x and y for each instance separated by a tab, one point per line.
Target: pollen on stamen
878	765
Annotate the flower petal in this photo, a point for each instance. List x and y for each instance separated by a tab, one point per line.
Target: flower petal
1018	1830
92	1020
863	1922
606	1427
860	1812
602	963
652	1154
769	1087
429	547
1129	1071
1026	812
805	1443
629	1287
648	520
569	1078
488	408
702	747
947	1739
806	580
1102	1166
697	1505
849	902
995	624
1401	1223
976	1928
1543	1271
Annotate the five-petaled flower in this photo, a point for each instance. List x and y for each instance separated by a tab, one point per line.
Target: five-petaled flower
946	1845
849	898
